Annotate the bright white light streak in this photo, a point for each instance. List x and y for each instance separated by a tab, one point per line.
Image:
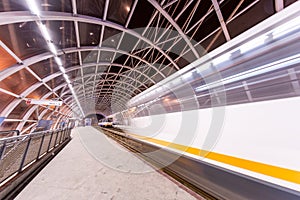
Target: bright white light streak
62	69
58	61
286	28
187	75
52	48
71	87
65	76
33	7
286	62
253	44
221	59
44	31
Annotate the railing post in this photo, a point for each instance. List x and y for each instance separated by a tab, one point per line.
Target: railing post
2	150
40	148
61	134
56	137
24	155
69	133
50	140
64	135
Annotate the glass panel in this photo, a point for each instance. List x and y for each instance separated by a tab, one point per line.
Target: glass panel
201	11
70	59
89	34
128	42
89	70
39	92
27	124
101	69
141	16
210	24
56	82
92	8
111	37
12	83
5	100
74	74
6	126
24	39
13	5
19	111
58	5
227	7
115	69
6	59
33	116
58	91
62	33
251	17
48	113
45	68
106	56
89	56
17	5
118	10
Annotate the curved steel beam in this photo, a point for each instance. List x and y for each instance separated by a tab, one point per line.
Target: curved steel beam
75	67
156	5
25	16
102	92
35	59
83	98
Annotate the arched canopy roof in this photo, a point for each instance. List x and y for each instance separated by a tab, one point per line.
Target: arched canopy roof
91	54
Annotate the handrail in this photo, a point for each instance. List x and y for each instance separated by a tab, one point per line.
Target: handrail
19	152
17	132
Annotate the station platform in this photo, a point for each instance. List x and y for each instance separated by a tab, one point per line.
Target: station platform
77	172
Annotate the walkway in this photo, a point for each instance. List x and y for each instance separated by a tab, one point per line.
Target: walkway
93	166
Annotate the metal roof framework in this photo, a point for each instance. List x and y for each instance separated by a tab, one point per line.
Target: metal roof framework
92	61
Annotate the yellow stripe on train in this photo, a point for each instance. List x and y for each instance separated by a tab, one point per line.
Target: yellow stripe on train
270	170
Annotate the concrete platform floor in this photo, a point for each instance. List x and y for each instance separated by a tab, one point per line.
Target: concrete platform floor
83	170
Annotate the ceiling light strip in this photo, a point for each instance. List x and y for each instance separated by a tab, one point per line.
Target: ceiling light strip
35	10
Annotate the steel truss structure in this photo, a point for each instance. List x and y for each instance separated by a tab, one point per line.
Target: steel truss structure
93	58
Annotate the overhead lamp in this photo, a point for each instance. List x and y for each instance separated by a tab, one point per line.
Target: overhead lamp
33	7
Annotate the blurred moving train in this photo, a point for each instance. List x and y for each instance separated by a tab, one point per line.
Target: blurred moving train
106	122
235	110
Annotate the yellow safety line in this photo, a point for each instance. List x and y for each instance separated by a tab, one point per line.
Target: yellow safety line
270	170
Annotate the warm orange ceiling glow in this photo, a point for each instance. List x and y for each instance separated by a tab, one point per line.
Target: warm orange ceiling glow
6	60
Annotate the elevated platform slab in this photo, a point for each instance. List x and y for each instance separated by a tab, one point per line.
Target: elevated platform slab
77	172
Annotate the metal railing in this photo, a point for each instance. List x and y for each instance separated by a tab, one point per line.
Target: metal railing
19	152
10	133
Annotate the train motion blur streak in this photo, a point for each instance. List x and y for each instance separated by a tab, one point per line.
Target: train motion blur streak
250	86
